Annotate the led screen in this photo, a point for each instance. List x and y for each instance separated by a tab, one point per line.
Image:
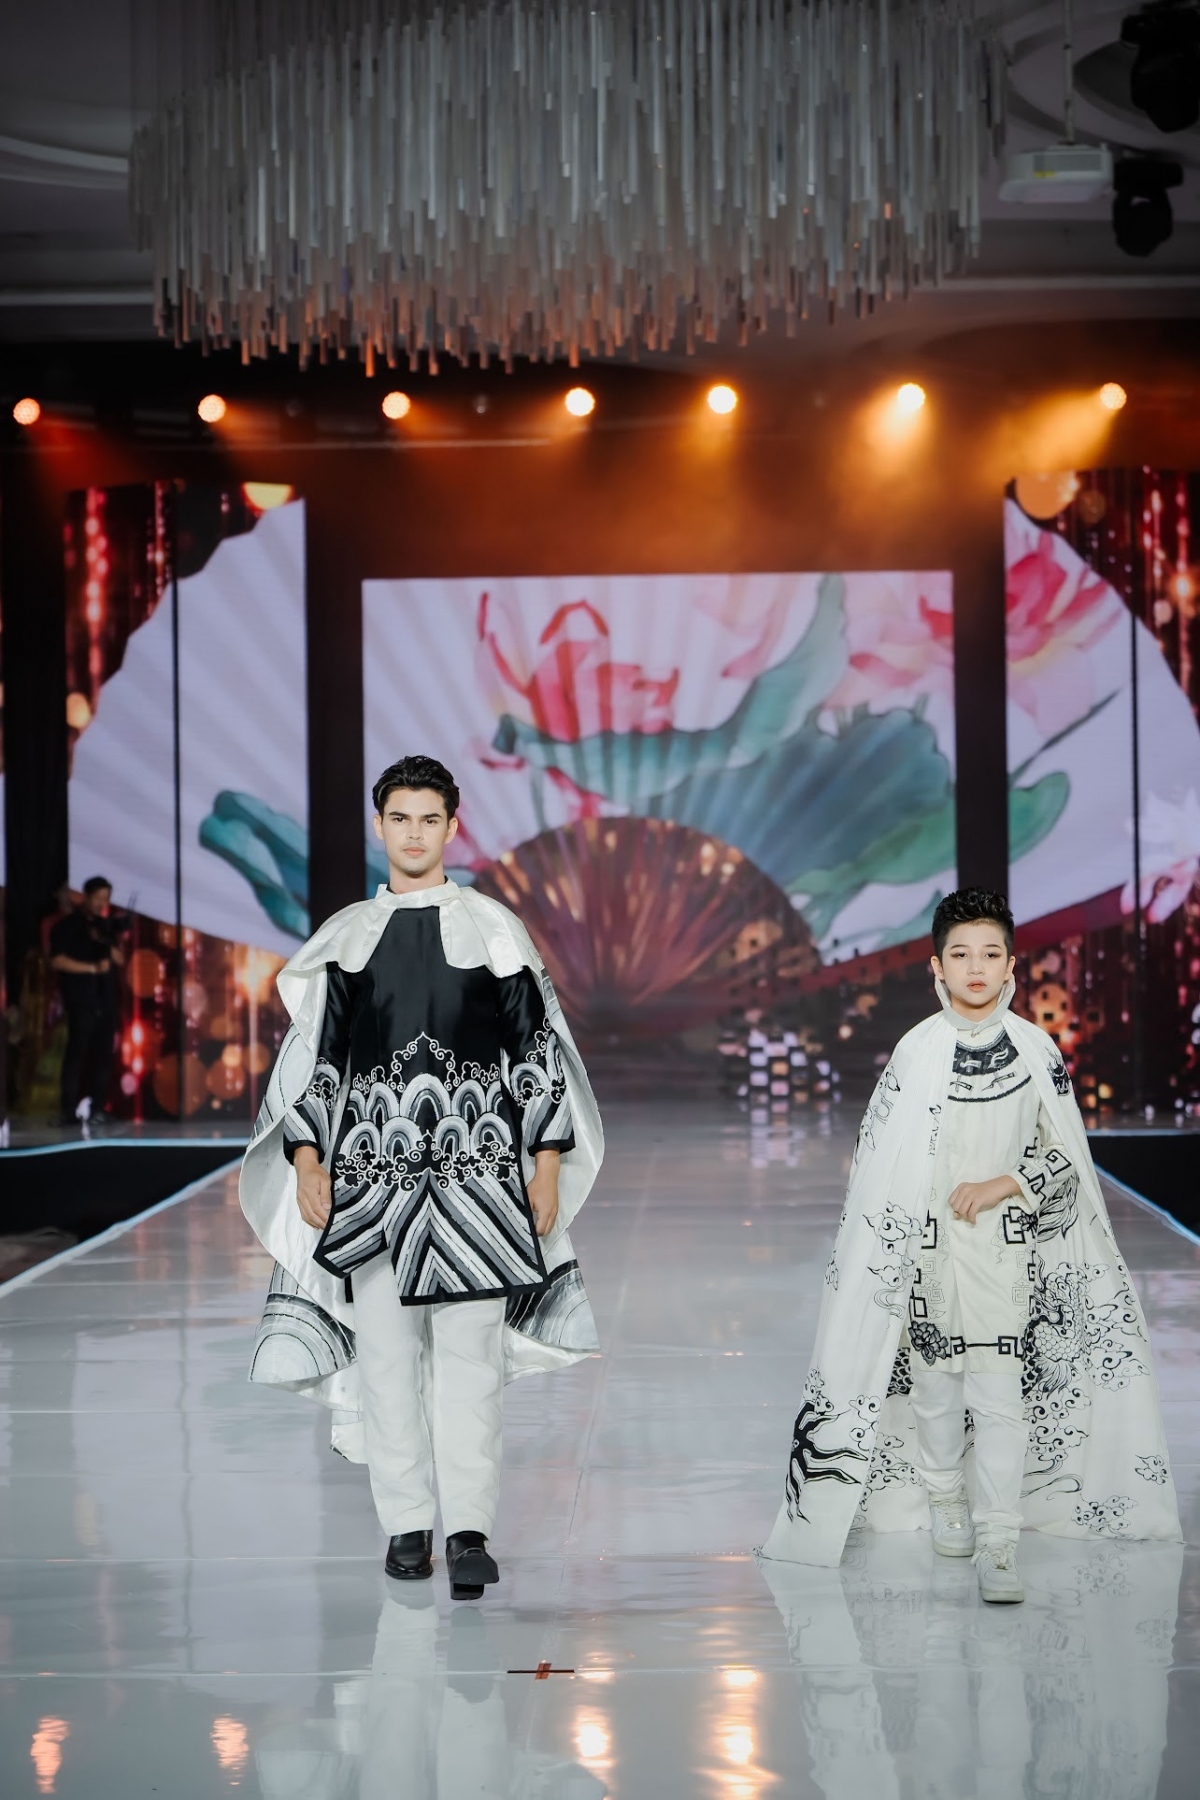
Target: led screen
186	713
705	794
1104	762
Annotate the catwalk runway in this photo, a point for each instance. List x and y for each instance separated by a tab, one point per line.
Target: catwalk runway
192	1602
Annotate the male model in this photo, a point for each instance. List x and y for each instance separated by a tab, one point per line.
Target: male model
424	1099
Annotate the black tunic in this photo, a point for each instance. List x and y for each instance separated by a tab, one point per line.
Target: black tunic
427	1162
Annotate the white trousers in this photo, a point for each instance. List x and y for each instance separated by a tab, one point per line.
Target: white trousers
940	1399
432	1384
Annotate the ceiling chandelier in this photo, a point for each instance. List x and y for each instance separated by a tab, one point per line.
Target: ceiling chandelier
562	177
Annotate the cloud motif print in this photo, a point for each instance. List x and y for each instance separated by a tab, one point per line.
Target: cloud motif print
432	1084
428	1164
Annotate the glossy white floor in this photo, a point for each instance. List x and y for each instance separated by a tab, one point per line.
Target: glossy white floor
192	1602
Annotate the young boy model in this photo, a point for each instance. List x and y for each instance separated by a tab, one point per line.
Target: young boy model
975	1272
424	1098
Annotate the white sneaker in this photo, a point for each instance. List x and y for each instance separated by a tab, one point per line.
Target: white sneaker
999	1578
953	1532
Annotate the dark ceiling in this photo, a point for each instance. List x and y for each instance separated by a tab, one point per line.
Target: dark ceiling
72	87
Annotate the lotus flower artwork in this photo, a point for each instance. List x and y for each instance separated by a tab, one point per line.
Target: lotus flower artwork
684	783
1073	644
1057	610
827	800
575	688
691	787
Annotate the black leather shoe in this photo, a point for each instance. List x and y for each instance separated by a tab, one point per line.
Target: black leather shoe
468	1564
410	1556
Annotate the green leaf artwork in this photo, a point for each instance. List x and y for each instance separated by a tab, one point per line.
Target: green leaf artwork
269	849
823	808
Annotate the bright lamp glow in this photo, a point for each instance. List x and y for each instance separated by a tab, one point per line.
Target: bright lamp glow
27	412
580	402
266	495
1113	396
910	398
722	399
212	409
396	405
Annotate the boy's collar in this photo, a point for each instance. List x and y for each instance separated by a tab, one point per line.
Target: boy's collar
971	1027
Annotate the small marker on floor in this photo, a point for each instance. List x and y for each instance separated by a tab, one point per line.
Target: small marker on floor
543	1671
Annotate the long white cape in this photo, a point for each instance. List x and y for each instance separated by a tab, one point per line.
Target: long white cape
306	1340
1097	1463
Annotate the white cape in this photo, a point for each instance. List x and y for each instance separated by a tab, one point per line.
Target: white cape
306	1340
1097	1462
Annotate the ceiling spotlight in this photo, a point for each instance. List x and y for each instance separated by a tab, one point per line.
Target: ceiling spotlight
395	406
722	399
1164	81
580	402
910	398
212	409
1113	396
1141	214
27	411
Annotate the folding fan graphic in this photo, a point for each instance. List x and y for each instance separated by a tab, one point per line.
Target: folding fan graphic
682	783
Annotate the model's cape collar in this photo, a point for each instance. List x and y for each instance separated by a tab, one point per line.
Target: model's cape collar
430	896
976	1027
348	937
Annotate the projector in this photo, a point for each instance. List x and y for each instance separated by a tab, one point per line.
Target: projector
1062	175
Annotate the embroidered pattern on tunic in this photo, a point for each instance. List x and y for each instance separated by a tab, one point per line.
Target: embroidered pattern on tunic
973	1291
991	1073
423	1124
428	1166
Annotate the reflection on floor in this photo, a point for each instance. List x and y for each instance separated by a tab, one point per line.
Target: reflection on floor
192	1603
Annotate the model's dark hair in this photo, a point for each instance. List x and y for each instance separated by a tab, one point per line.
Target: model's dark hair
94	883
971	906
417	772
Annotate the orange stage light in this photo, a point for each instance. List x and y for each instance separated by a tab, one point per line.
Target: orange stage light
27	411
265	495
1113	396
395	406
212	409
722	399
910	398
580	402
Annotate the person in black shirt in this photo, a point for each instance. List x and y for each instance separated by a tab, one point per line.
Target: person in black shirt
85	951
425	1098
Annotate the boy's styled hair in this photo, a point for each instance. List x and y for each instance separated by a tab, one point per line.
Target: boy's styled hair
94	883
971	906
417	772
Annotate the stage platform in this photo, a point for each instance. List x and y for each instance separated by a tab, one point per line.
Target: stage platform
26	1133
192	1602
